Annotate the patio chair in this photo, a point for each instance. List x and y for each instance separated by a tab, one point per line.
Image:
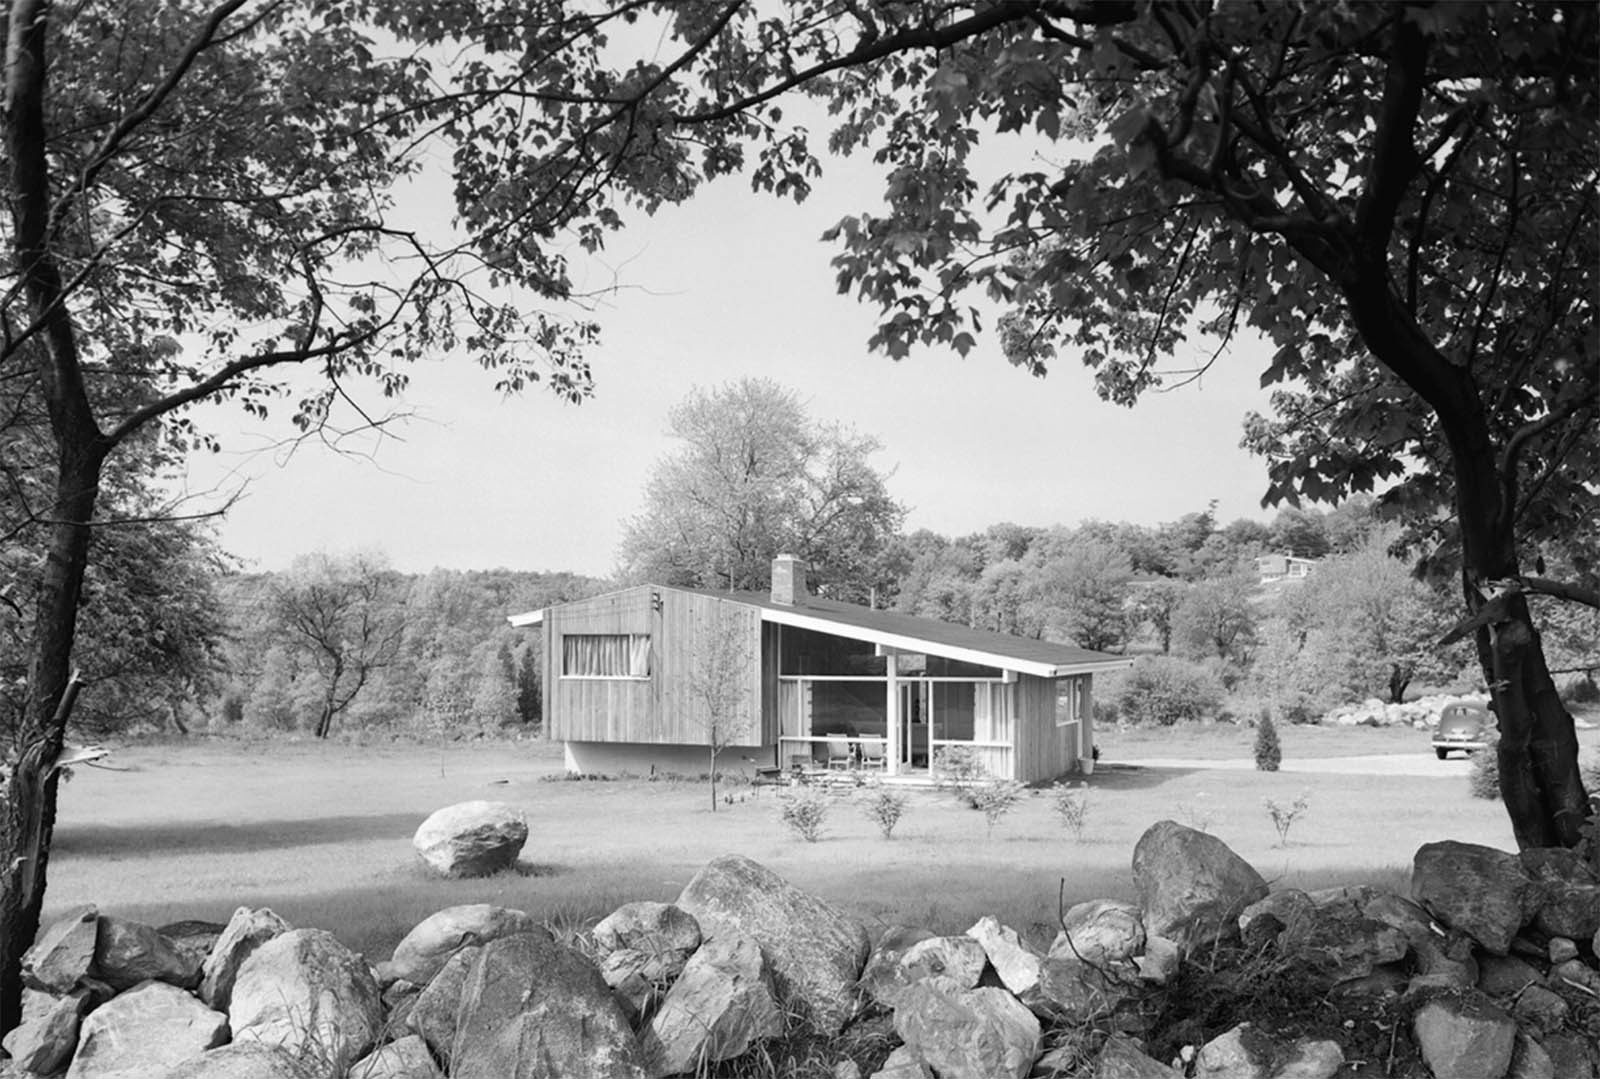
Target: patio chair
874	753
839	756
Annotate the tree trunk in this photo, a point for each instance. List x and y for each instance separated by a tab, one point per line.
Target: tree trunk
30	809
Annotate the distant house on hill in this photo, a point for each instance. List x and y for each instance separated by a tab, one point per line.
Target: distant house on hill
818	684
1283	567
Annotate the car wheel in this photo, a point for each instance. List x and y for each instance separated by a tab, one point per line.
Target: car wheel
1443	753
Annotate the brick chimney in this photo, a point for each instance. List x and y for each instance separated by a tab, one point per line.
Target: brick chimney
788	581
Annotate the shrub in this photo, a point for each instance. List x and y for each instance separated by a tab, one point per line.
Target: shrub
884	807
1104	712
1484	778
1269	752
1071	807
1581	691
960	770
805	811
996	798
1164	690
1284	816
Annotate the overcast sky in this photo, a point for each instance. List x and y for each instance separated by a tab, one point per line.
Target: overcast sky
731	285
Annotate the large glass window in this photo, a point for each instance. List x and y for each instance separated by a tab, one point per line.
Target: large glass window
605	655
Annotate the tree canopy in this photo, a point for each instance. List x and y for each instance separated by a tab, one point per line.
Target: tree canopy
756	476
1400	197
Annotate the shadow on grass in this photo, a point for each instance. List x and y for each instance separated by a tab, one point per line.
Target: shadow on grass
211	837
1133	777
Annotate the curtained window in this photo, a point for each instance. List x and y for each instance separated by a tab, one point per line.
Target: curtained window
605	655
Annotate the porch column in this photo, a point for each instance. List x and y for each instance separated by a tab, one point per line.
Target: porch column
891	710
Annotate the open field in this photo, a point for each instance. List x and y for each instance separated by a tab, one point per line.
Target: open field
321	833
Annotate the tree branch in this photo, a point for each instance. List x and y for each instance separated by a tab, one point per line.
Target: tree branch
1394	158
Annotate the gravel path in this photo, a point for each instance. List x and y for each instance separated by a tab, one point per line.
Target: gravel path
1377	764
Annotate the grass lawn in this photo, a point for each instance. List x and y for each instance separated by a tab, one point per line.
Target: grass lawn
322	834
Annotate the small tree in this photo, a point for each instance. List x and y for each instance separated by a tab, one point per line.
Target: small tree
342	614
1269	753
719	685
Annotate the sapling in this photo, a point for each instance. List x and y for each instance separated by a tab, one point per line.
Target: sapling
804	813
1284	816
884	807
1071	807
996	799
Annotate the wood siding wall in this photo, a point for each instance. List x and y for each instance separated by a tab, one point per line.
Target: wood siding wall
661	709
1043	749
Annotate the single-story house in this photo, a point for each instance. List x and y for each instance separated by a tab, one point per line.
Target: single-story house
1283	567
634	678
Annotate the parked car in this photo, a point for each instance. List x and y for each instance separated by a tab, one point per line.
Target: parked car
1465	725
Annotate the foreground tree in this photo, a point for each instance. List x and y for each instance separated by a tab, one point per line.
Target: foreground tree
757	476
1402	197
199	197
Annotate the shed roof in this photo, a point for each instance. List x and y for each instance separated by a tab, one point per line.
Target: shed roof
893	629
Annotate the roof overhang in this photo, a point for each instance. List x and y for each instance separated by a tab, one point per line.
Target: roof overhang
527	618
800	620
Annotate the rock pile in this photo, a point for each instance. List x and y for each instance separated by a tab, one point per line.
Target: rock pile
1492	958
1422	713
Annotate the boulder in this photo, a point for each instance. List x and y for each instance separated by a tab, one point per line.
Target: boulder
424	950
128	953
1077	992
64	953
960	961
472	839
433	1014
48	1035
643	947
1568	910
146	1030
1560	949
1481	891
1540	1008
719	1007
1122	1058
816	952
968	1034
306	992
1099	931
1465	1036
1014	963
1246	1053
241	1060
1284	907
1191	886
648	927
193	935
882	973
1506	975
1575	977
1530	1061
1337	943
1572	1055
535	1009
1161	959
404	1058
902	1064
246	931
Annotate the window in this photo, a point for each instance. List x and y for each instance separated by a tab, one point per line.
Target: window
605	655
1070	698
